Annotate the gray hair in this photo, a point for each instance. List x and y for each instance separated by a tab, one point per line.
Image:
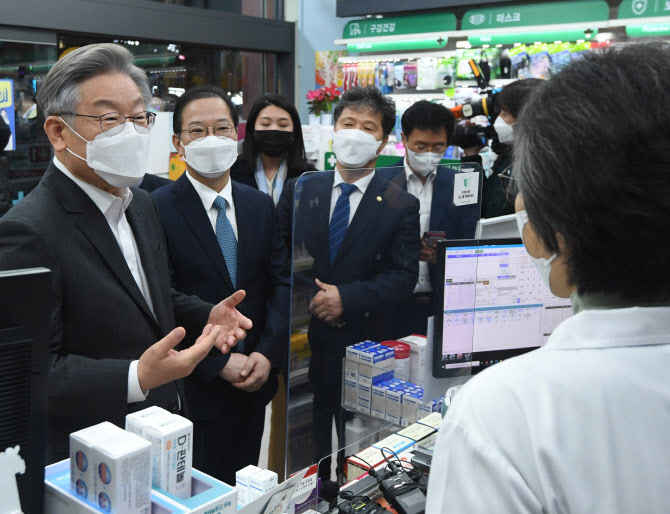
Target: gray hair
60	92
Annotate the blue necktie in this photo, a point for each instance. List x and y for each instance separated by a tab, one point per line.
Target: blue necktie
339	223
228	244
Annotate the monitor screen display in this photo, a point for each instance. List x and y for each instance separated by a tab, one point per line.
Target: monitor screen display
494	305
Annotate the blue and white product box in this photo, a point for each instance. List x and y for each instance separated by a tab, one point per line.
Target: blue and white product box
378	404
261	482
363	405
410	406
394	395
365	391
353	351
350	369
171	439
242	481
122	482
394	442
350	397
379	356
82	467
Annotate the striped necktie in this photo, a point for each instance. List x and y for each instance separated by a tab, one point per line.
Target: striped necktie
339	223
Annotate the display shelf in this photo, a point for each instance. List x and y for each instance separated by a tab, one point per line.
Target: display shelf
386	57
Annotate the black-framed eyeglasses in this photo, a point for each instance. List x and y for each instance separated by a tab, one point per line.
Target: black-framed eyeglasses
112	123
200	131
438	148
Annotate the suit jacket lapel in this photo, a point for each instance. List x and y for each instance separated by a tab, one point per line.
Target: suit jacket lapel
96	229
189	204
141	231
313	195
367	211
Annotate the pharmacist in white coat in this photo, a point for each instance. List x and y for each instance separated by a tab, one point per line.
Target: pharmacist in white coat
581	425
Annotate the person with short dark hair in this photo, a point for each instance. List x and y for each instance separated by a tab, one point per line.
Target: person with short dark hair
426	131
221	236
362	233
111	295
497	195
273	150
580	425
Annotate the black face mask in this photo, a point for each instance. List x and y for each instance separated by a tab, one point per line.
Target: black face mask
273	142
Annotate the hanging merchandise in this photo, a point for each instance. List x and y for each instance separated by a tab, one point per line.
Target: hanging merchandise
463	71
560	56
389	77
375	76
445	72
539	61
426	68
578	50
409	74
398	73
520	62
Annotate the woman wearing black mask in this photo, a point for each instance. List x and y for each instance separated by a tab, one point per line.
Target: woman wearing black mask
273	149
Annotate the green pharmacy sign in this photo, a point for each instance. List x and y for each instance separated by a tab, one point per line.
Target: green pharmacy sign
650	30
553	13
395	46
531	37
398	26
644	9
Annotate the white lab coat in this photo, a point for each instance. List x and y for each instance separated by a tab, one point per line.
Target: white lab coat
581	425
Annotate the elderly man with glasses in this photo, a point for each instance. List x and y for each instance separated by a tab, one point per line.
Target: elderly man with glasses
111	286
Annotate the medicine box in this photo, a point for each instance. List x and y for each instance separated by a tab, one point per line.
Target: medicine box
242	481
395	442
262	482
433	420
378	403
417	432
363	405
417	369
122	482
394	397
171	438
378	356
82	466
350	369
357	465
350	396
410	406
353	351
364	391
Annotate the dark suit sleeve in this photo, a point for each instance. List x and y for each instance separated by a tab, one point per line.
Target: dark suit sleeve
273	340
72	378
397	280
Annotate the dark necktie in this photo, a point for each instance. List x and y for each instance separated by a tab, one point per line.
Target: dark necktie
339	223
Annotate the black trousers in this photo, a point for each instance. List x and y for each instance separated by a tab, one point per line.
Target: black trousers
231	440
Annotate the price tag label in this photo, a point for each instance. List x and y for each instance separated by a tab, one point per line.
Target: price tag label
466	188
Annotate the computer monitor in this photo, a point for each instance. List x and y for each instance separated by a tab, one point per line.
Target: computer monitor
502	227
24	368
492	305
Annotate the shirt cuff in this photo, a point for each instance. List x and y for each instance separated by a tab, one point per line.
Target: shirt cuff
135	393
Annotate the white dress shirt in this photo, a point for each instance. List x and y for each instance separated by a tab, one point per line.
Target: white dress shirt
208	195
354	198
424	192
114	210
272	187
578	426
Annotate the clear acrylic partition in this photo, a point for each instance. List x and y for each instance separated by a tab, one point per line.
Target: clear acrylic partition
375	271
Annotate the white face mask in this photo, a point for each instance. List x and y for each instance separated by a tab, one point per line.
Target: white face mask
423	163
504	130
542	265
354	148
211	156
121	159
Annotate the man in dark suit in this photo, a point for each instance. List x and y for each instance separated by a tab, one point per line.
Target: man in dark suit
226	394
152	182
362	232
426	129
111	291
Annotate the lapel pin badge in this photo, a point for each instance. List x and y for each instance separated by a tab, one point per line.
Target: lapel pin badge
314	202
379	198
